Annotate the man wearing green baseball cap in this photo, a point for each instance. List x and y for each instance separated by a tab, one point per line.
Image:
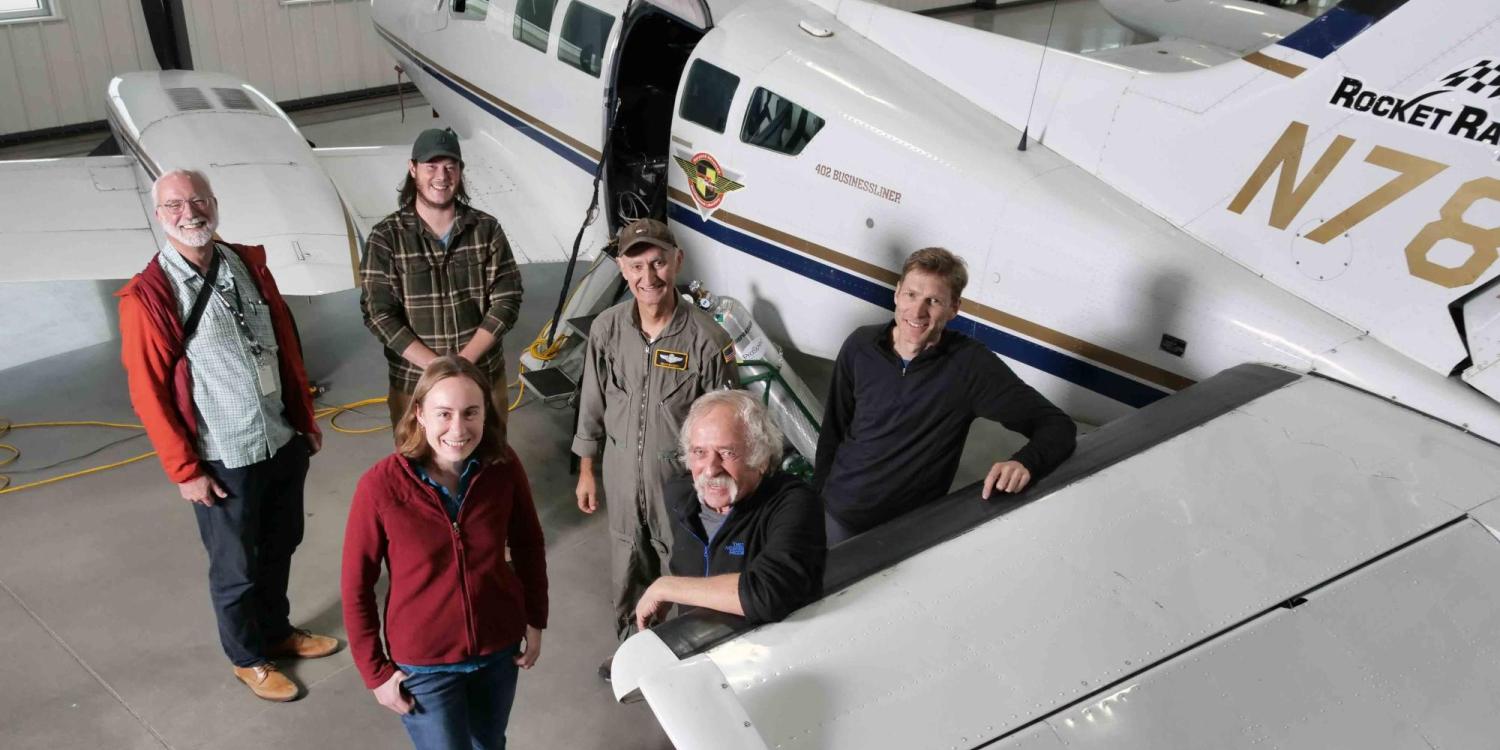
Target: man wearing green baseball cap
438	276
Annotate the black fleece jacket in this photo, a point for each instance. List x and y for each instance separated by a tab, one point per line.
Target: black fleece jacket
892	436
773	538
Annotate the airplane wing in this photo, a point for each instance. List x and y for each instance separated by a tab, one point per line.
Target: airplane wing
1264	559
89	217
369	178
74	219
1166	56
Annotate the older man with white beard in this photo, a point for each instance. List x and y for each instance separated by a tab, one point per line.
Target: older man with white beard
215	373
749	538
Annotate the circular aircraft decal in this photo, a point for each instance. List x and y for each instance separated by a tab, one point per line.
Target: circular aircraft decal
706	179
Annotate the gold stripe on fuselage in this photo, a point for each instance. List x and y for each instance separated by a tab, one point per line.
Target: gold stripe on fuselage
531	120
1282	67
1142	370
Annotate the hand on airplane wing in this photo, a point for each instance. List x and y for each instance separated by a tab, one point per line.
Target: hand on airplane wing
652	606
1006	476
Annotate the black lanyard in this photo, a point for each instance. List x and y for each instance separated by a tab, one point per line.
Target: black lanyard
237	309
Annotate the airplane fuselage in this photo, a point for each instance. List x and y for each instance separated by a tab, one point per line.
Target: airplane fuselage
1094	298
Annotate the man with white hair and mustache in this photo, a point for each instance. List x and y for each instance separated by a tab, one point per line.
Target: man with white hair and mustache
749	538
215	373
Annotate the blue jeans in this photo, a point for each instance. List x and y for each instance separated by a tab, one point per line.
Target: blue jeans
461	710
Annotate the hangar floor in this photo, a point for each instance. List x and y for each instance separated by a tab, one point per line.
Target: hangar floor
106	635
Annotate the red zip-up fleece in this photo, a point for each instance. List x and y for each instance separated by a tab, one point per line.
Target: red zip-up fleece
156	364
452	595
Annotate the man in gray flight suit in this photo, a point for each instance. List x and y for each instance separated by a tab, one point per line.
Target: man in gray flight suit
648	359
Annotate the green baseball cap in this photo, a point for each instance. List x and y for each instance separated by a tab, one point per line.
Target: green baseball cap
433	144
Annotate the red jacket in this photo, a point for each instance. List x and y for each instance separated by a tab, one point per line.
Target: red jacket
156	364
452	596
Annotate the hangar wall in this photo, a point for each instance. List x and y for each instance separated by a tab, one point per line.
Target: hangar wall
57	69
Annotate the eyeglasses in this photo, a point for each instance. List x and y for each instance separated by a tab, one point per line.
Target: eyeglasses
176	206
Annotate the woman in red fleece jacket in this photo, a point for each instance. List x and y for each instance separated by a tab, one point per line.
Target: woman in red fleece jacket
439	513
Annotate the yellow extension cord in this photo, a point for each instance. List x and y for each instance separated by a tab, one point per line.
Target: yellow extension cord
538	348
331	412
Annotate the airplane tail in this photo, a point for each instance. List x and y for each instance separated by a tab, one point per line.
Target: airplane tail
1352	163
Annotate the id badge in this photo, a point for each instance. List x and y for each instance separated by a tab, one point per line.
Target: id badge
265	373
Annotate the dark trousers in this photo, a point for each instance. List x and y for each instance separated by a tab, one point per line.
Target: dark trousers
250	536
460	711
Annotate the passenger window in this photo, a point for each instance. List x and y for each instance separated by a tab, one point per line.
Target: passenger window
470	10
584	32
773	122
705	99
533	22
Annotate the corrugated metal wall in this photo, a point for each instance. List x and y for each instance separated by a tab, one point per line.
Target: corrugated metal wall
54	73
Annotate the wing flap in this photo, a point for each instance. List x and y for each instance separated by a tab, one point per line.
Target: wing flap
1166	56
1400	654
73	219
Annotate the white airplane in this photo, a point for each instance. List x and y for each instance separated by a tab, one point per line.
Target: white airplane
1328	205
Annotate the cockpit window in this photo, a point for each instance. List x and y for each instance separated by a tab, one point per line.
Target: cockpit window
584	32
706	97
533	22
774	122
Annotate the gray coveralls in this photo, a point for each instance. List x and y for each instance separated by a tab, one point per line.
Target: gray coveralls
635	396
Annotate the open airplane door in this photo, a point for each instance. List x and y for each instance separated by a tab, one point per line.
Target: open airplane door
694	13
656	38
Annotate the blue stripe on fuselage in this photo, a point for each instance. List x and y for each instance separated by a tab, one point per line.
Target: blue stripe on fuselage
1077	371
526	129
1051	361
1326	33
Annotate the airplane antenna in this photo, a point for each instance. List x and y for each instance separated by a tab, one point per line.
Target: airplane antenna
592	214
588	218
1038	83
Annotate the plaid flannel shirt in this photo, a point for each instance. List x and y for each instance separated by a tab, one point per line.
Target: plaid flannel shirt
411	289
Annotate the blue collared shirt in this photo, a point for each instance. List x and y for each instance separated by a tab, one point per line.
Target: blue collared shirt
237	423
451	503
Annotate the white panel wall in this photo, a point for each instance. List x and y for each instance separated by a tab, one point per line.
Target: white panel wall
55	72
289	51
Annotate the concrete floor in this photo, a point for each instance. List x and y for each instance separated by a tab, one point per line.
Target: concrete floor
107	638
106	634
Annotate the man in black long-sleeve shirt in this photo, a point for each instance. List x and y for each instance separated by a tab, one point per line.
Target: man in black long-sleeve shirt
748	537
903	396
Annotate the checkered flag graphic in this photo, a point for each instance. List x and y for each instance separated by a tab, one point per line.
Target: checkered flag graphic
1476	79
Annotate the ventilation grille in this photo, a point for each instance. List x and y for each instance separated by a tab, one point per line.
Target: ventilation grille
187	100
236	99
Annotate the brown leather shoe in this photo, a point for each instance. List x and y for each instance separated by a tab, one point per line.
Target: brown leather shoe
303	645
267	682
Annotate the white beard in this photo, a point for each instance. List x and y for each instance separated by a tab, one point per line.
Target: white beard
199	237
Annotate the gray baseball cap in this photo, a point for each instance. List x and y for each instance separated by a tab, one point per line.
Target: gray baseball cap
643	233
